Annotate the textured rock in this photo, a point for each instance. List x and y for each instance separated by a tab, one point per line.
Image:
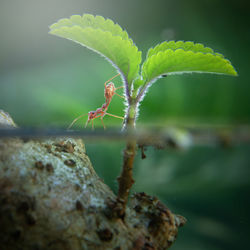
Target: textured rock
51	198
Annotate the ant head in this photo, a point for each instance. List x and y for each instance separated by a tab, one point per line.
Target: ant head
91	114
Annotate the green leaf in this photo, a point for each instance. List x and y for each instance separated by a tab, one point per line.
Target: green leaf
95	22
181	61
138	82
186	46
103	37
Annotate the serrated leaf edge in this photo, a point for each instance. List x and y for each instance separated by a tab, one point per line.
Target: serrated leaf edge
69	22
159	54
182	44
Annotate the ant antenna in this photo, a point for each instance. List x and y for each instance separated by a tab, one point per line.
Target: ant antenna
111	78
76	120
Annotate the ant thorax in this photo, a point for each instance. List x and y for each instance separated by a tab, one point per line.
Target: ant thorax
99	111
105	106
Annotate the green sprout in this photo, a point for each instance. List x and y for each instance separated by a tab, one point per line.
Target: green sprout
167	58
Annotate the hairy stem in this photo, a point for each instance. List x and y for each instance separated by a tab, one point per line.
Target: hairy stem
126	180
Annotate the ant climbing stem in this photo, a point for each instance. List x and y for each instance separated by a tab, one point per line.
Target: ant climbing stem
109	92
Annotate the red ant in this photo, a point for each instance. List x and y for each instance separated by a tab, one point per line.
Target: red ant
109	92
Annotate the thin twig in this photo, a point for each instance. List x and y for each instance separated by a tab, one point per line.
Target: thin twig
199	136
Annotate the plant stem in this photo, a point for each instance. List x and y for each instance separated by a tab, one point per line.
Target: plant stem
126	180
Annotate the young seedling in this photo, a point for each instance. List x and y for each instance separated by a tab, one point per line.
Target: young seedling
109	92
167	58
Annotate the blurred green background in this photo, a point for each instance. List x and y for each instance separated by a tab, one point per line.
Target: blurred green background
46	81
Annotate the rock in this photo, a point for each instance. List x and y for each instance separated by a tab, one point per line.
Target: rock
51	198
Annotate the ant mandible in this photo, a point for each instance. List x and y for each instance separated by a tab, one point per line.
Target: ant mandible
109	92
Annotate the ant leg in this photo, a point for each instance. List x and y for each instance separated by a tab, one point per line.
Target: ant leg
111	79
115	116
75	120
119	87
86	124
119	95
103	123
92	120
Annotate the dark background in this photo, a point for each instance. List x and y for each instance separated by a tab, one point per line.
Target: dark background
46	81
